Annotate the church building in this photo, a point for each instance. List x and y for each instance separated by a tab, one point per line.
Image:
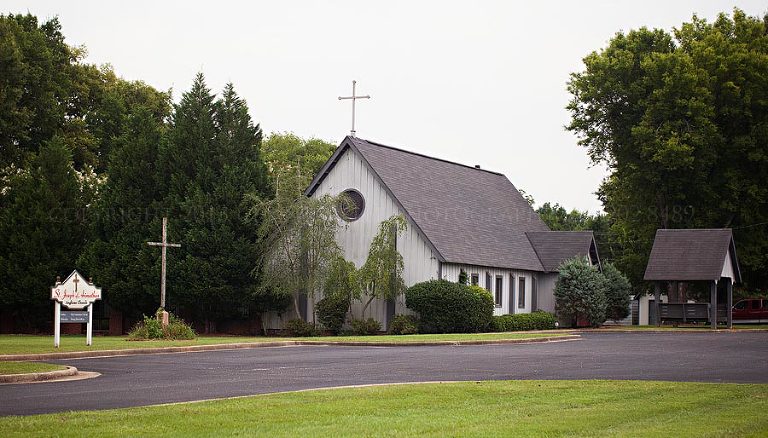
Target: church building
460	218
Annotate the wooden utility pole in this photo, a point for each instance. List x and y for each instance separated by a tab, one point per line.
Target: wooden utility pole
163	245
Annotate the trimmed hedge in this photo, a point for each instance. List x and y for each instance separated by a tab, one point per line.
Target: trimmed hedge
538	320
446	307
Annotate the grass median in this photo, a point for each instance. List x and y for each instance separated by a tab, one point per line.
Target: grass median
30	344
496	408
28	367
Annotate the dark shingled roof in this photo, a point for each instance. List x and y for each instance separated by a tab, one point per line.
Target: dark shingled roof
555	247
690	255
470	216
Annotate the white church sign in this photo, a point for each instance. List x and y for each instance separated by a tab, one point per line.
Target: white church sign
74	293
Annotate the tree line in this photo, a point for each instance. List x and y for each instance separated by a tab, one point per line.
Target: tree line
680	119
91	163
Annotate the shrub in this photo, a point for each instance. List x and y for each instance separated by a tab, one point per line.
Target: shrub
332	311
617	293
151	328
404	325
300	328
538	320
446	307
365	327
178	329
580	292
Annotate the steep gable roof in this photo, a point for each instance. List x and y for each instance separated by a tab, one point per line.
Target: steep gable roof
471	216
690	255
555	247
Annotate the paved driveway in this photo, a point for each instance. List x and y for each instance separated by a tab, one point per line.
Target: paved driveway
163	378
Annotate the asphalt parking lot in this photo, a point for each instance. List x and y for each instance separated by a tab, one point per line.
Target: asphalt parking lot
165	378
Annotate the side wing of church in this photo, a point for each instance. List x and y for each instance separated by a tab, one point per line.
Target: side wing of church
460	218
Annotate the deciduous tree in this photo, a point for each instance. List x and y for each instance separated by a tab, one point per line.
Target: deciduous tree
288	153
680	120
381	276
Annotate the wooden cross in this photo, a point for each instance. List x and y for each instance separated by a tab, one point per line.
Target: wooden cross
75	280
163	245
353	97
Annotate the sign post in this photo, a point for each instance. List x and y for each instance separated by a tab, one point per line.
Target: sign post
74	296
57	325
89	330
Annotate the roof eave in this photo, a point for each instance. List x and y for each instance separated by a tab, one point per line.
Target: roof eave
325	170
593	245
734	261
348	143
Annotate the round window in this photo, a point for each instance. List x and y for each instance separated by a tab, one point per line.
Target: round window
351	205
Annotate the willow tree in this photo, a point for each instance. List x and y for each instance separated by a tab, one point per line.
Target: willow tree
299	239
382	274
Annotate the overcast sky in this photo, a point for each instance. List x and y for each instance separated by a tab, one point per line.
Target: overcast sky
474	82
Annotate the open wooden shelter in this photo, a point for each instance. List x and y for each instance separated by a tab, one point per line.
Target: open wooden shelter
694	255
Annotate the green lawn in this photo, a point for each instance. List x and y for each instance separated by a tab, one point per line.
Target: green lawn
500	408
28	367
28	344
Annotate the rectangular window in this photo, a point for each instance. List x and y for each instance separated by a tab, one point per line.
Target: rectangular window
521	293
499	289
488	284
511	302
475	279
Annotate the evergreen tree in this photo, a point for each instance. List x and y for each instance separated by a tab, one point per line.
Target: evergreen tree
211	161
41	232
60	120
618	291
580	293
126	216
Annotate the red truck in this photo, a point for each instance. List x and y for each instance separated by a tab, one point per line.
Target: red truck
751	310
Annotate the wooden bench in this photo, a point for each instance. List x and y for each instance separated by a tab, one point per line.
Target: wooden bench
684	312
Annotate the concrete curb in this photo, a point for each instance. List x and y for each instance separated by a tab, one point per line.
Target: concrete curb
236	346
38	377
673	331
